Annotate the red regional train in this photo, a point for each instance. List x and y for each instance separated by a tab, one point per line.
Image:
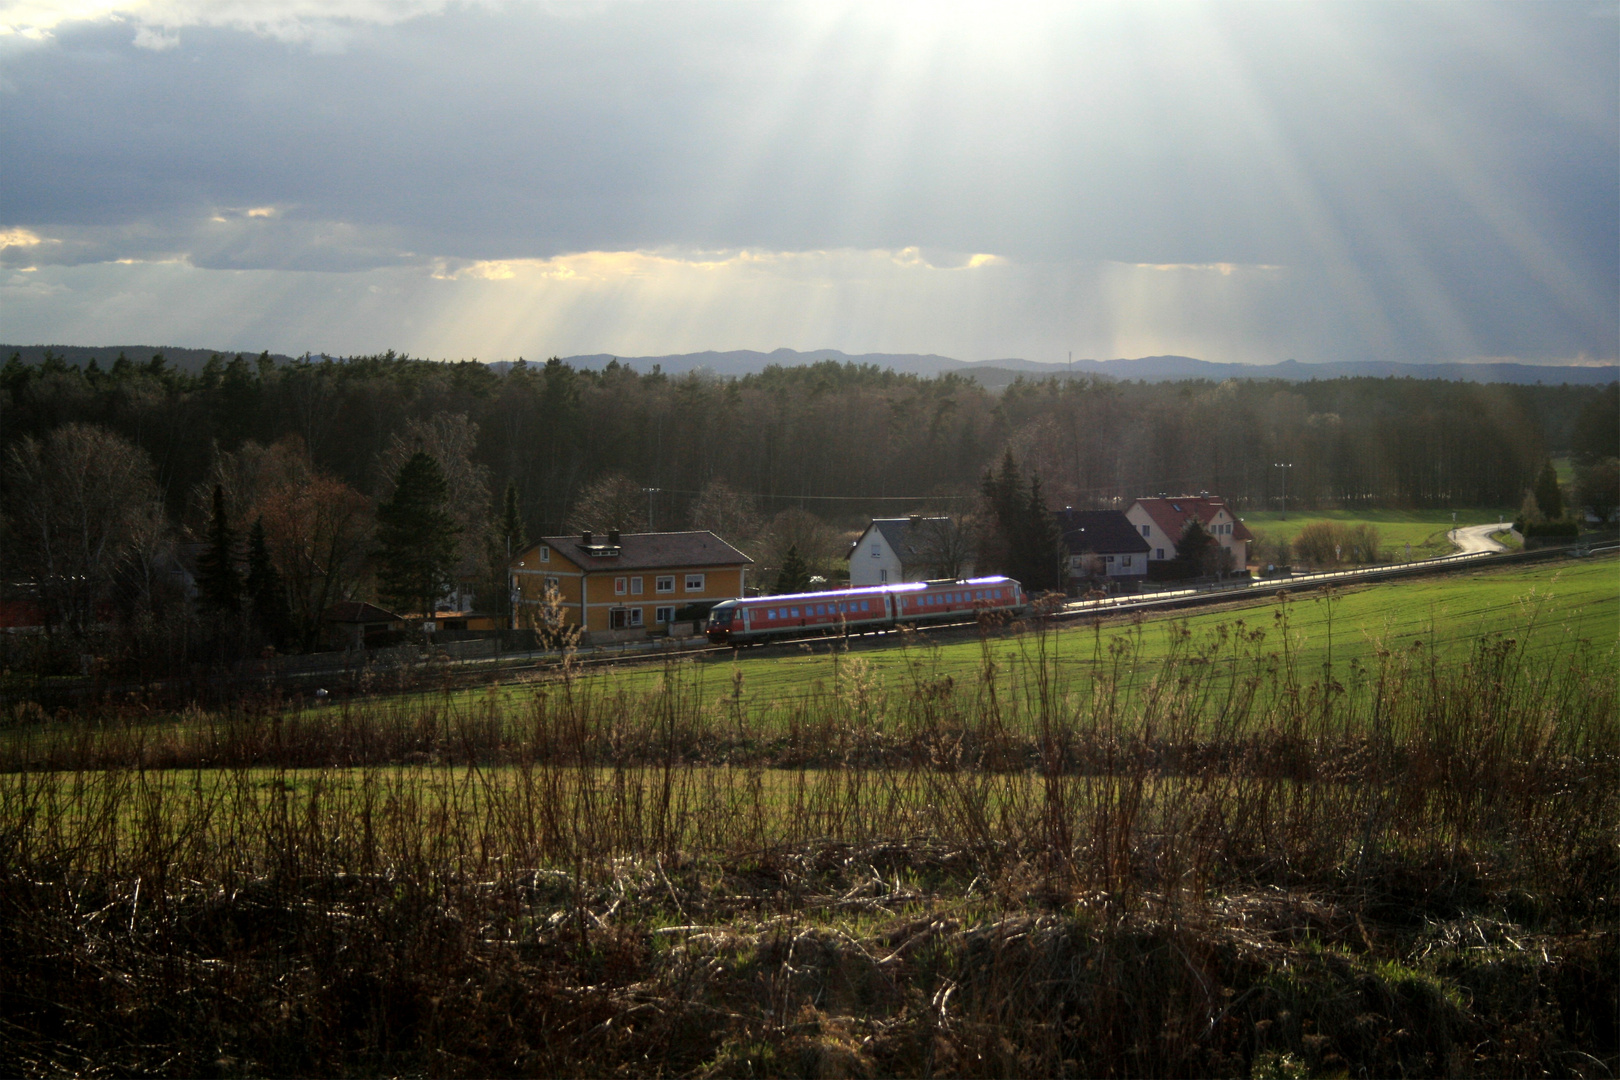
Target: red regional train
744	622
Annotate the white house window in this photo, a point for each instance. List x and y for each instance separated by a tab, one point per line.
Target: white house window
1158	553
620	586
1147	530
883	575
1108	558
1125	560
877	550
664	615
635	586
664	583
545	553
694	582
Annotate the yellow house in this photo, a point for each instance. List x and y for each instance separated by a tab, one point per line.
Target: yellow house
621	584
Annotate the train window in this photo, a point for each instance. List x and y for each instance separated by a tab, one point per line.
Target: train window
866	605
794	613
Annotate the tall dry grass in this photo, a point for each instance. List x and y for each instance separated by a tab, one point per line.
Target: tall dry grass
986	875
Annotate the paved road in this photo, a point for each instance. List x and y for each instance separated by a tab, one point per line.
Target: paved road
1476	538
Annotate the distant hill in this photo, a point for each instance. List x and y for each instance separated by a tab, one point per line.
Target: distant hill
993	374
998	373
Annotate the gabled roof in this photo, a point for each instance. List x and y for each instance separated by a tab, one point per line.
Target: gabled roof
1103	532
908	542
358	611
1171	514
645	551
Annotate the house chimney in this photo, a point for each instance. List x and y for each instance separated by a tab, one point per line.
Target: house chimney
613	537
585	539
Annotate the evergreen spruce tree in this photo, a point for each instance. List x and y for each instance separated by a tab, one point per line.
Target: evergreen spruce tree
1196	549
265	590
1025	541
505	541
416	538
1549	499
795	574
218	585
510	532
1040	542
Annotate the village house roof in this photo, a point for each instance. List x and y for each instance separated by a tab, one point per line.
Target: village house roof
358	611
645	551
905	538
1102	532
1172	514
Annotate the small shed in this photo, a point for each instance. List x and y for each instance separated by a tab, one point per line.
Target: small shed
356	624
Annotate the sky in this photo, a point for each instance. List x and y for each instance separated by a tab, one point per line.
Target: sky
1235	182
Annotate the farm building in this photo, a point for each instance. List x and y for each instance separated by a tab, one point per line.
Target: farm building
1160	522
618	586
912	548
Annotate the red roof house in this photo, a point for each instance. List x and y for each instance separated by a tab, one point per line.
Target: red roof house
1160	521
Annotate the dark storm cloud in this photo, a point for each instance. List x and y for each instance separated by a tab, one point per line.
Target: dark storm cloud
1450	168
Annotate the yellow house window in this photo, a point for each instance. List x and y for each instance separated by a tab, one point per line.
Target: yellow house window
620	586
545	553
635	586
694	582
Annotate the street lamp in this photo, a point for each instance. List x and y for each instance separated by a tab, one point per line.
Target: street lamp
650	493
1285	466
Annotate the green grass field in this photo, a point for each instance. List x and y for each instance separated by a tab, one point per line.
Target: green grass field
974	857
1425	530
1553	608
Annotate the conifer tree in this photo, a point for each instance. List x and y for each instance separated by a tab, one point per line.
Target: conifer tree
1549	500
416	536
218	584
1196	548
511	527
795	573
265	590
1040	543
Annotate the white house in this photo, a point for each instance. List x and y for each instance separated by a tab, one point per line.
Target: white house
1103	545
1160	522
912	548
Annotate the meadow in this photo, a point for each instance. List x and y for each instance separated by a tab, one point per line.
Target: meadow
1367	832
1425	530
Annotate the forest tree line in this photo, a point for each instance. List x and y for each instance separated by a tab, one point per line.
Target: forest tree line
788	459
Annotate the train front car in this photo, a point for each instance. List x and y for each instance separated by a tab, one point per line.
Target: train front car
722	617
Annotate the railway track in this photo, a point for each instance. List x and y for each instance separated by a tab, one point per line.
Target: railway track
463	674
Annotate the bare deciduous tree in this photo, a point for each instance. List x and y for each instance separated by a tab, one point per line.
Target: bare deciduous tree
318	531
728	513
946	545
611	502
817	543
84	512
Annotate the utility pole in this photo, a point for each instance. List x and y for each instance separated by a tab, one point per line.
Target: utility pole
1284	466
651	491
